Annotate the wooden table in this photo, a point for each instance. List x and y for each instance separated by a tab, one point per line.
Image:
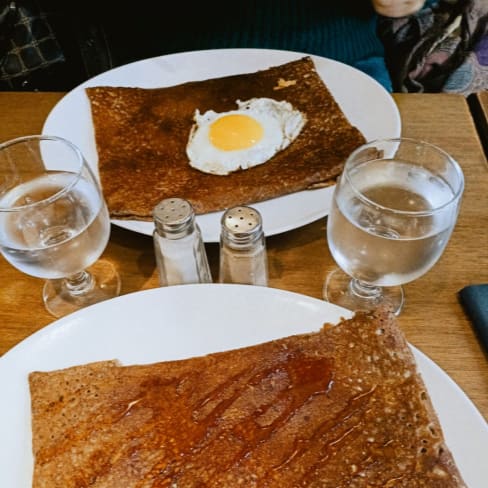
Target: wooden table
299	260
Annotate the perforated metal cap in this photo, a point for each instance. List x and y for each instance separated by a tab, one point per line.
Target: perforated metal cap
174	217
241	225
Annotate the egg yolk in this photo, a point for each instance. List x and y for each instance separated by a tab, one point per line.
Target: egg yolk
235	131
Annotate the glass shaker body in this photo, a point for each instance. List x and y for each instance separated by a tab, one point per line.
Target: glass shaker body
243	257
180	252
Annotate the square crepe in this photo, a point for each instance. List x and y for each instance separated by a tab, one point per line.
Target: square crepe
141	136
341	407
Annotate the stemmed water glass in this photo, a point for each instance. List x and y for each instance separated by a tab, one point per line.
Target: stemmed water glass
54	222
393	211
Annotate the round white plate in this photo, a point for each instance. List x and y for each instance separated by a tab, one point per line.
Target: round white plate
189	320
364	101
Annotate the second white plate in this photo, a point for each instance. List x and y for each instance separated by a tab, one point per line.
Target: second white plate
189	320
365	102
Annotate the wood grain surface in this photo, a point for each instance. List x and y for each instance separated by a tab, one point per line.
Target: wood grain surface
299	260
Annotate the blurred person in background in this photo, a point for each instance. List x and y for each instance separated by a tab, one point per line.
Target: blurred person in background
54	45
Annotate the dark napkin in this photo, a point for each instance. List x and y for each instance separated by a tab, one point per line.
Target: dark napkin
474	299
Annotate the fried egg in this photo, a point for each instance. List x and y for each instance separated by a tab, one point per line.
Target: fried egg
220	143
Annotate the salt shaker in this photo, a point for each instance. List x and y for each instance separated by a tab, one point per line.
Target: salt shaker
243	256
178	245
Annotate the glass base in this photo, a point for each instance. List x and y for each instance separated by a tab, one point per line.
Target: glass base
342	290
99	282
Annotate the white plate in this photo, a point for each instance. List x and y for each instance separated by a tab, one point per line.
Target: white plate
365	102
188	320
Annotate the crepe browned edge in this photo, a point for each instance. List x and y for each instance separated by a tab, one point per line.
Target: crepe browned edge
341	407
141	137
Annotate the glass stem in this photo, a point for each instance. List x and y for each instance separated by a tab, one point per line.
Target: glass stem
79	283
364	290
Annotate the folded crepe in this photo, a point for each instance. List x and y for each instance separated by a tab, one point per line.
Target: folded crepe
141	137
341	407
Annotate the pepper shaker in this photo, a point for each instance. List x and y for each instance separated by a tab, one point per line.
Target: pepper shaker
178	245
243	256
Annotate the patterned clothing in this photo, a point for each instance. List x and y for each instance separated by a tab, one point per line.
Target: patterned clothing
28	42
443	48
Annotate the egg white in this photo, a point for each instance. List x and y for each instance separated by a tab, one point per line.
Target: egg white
281	122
